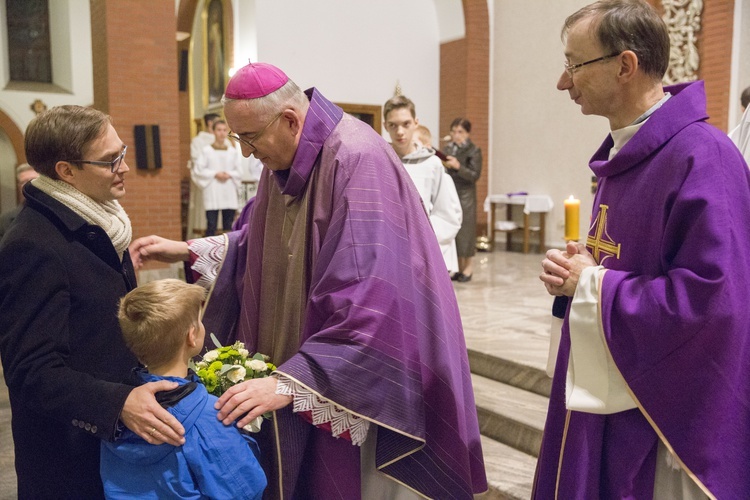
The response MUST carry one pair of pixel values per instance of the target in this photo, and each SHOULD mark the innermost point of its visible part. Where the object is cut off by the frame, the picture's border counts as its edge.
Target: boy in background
(423, 136)
(435, 187)
(161, 324)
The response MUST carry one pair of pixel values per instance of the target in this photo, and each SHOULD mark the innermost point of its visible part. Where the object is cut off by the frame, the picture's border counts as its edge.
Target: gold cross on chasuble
(601, 243)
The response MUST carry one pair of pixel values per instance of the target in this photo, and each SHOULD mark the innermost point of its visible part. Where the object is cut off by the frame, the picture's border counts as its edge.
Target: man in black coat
(64, 265)
(24, 174)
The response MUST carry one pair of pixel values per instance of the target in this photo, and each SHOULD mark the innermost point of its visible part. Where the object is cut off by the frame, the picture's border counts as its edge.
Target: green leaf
(215, 340)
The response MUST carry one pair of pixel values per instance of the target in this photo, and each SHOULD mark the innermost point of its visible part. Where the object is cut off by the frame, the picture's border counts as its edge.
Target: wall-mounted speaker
(147, 147)
(183, 70)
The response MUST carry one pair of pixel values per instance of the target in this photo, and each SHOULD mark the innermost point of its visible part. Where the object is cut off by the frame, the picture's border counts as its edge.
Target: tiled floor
(7, 472)
(505, 308)
(505, 311)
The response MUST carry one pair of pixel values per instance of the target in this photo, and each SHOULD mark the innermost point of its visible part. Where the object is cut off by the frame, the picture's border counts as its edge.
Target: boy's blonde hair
(424, 134)
(156, 317)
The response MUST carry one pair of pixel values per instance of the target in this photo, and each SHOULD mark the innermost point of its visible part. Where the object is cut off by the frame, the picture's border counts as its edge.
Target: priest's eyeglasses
(113, 165)
(251, 142)
(571, 68)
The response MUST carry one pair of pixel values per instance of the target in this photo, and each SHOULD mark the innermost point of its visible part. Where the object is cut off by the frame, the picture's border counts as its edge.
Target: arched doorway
(11, 155)
(192, 33)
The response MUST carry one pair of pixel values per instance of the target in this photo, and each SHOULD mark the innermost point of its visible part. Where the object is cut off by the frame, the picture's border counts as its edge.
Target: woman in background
(464, 165)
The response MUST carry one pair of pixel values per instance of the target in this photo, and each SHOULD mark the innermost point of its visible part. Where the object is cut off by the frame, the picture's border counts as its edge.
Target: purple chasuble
(381, 335)
(670, 225)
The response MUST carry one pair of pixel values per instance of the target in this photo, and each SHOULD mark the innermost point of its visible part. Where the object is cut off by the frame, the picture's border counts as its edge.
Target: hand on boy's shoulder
(143, 415)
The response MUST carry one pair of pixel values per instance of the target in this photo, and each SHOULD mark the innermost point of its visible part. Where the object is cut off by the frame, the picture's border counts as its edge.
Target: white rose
(211, 356)
(236, 374)
(243, 352)
(258, 365)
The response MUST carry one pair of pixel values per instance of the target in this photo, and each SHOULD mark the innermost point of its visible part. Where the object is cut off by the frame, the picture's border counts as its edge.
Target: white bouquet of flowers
(221, 368)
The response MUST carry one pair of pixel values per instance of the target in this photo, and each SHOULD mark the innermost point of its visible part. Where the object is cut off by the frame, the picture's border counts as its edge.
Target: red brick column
(715, 50)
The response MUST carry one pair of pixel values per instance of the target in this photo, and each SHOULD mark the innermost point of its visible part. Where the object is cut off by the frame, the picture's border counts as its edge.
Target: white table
(533, 205)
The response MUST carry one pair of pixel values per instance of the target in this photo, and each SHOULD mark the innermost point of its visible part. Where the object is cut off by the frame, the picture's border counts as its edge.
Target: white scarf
(109, 215)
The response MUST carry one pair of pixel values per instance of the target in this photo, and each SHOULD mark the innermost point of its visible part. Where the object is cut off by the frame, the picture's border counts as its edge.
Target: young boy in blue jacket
(161, 324)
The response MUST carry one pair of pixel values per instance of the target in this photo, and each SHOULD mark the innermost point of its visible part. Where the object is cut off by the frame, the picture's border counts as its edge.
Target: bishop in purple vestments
(336, 274)
(664, 277)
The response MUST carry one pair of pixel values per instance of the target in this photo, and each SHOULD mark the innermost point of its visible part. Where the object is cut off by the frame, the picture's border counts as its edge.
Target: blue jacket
(216, 461)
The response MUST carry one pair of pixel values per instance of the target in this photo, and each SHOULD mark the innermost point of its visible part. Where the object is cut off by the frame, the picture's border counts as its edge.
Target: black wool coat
(62, 351)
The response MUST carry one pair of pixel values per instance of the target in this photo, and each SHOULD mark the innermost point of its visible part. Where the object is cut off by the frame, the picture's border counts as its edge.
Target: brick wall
(452, 83)
(715, 51)
(464, 88)
(135, 75)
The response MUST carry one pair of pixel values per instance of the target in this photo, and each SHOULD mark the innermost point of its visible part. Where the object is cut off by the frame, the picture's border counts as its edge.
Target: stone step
(510, 372)
(510, 473)
(510, 415)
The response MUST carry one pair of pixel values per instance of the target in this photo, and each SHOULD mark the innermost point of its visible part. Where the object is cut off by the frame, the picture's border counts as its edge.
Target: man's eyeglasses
(113, 165)
(571, 68)
(257, 136)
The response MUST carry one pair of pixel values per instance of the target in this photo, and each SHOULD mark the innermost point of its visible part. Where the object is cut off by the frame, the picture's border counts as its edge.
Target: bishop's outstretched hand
(158, 249)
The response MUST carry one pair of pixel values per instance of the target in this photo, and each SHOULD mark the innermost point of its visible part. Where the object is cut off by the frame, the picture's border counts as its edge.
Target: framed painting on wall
(370, 114)
(215, 54)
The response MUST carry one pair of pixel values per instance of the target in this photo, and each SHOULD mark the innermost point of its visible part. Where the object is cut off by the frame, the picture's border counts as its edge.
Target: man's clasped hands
(562, 270)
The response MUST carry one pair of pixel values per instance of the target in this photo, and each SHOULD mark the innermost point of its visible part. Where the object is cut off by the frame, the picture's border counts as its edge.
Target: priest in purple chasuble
(335, 273)
(651, 388)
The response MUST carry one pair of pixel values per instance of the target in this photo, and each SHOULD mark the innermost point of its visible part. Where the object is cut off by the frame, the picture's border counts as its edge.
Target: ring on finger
(152, 431)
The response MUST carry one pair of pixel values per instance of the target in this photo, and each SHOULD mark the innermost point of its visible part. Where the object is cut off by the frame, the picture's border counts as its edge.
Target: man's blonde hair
(156, 317)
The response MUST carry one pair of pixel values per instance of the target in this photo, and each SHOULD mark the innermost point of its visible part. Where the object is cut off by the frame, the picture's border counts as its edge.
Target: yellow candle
(572, 212)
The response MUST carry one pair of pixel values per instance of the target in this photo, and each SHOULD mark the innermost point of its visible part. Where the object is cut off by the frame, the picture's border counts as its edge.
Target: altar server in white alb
(741, 135)
(435, 187)
(218, 174)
